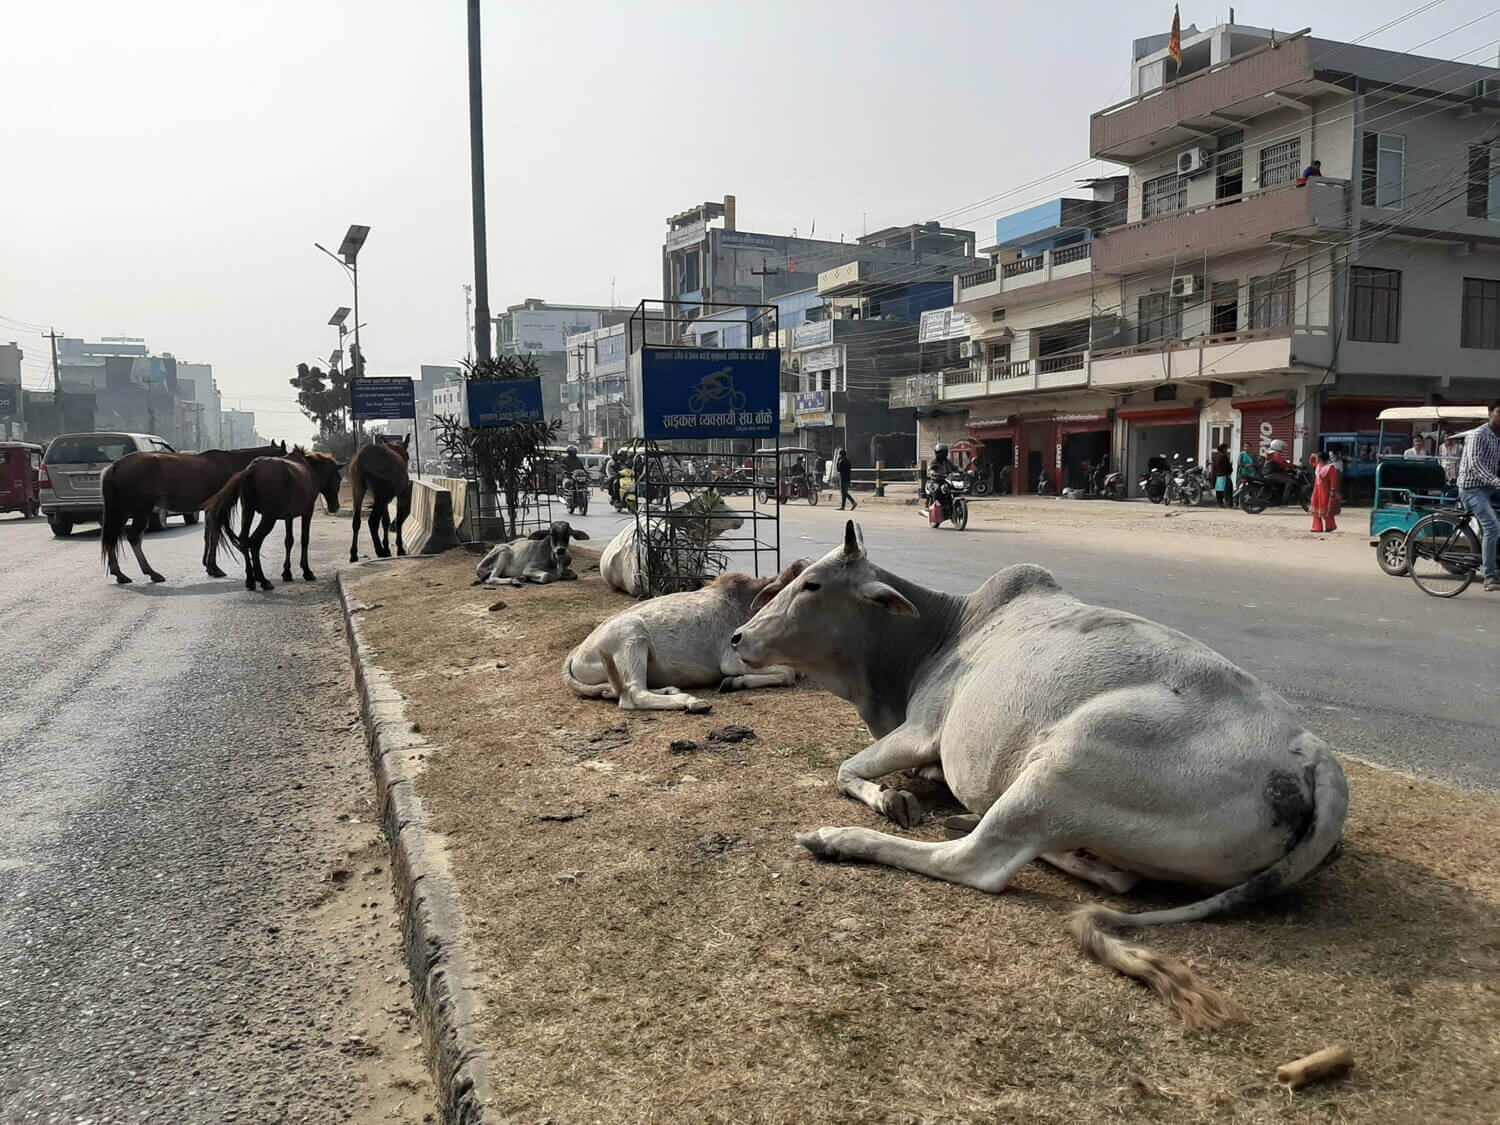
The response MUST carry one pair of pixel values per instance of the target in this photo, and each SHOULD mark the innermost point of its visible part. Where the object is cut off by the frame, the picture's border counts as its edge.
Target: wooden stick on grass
(1317, 1067)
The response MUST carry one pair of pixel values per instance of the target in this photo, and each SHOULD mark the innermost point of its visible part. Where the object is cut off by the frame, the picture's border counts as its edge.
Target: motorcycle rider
(571, 460)
(612, 480)
(938, 473)
(1278, 469)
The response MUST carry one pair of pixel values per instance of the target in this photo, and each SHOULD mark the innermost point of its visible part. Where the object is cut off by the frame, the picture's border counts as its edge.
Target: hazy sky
(165, 165)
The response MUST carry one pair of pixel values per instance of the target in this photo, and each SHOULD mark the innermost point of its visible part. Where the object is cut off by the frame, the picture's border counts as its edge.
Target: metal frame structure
(662, 526)
(488, 513)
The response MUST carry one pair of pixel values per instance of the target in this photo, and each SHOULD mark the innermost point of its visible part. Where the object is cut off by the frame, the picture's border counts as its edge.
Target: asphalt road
(195, 911)
(1378, 669)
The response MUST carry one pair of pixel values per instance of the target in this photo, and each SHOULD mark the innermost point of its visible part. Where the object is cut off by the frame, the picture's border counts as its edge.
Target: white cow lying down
(706, 517)
(644, 656)
(1111, 747)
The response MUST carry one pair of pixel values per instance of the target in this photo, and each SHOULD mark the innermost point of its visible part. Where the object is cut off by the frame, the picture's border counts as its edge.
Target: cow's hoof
(959, 826)
(699, 707)
(157, 577)
(123, 579)
(901, 806)
(818, 843)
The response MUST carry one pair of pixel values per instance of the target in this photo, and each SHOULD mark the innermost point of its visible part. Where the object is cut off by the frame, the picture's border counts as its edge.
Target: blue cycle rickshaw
(1407, 488)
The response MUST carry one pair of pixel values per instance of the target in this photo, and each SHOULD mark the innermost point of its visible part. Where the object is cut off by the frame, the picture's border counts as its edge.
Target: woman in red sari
(1326, 501)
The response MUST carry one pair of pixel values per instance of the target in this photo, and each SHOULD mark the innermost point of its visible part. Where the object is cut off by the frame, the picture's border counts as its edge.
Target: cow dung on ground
(682, 979)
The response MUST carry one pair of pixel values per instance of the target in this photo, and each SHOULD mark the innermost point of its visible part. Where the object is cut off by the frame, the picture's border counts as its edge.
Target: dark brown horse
(139, 483)
(278, 488)
(382, 470)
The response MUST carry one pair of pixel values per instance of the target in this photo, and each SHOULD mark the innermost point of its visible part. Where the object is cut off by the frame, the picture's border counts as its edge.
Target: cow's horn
(854, 540)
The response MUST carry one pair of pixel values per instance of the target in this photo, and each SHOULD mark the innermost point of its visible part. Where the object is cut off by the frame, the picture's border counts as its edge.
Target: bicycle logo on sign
(716, 388)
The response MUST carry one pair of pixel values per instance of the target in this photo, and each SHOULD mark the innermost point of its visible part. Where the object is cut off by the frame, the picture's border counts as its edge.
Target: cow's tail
(588, 691)
(1198, 1005)
(217, 510)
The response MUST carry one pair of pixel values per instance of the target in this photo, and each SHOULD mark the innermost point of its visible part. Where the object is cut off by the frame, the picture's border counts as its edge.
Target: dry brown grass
(671, 954)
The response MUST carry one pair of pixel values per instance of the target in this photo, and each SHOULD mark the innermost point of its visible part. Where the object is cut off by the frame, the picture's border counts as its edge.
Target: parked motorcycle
(1153, 482)
(944, 503)
(1112, 487)
(1255, 494)
(576, 492)
(978, 484)
(1186, 483)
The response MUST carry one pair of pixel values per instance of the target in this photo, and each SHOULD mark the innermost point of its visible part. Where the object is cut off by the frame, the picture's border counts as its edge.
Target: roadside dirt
(654, 946)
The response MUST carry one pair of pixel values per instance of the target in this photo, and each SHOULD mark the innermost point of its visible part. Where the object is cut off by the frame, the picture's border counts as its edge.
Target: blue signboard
(695, 393)
(390, 397)
(745, 241)
(497, 403)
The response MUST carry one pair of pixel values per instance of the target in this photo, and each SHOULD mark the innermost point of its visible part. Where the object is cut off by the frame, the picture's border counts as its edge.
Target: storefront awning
(939, 409)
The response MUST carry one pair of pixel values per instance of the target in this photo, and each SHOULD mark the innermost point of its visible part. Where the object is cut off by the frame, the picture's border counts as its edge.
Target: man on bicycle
(1479, 488)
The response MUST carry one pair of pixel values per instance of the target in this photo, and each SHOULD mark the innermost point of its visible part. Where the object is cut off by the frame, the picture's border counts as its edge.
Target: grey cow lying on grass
(541, 557)
(644, 656)
(1110, 746)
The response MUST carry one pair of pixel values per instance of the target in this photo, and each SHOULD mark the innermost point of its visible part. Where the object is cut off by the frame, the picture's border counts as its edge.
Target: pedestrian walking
(1326, 500)
(1222, 468)
(846, 471)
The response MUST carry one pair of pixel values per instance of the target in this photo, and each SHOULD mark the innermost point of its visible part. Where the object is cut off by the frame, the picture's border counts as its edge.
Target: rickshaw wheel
(812, 495)
(763, 495)
(1390, 553)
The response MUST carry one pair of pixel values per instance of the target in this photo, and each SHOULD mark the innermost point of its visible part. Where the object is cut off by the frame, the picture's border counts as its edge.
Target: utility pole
(56, 375)
(476, 172)
(469, 323)
(763, 273)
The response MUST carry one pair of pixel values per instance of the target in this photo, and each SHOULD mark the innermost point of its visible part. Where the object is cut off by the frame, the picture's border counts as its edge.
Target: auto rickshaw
(20, 476)
(1407, 488)
(797, 479)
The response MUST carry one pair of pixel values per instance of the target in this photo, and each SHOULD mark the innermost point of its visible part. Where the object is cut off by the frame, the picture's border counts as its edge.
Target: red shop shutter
(1263, 423)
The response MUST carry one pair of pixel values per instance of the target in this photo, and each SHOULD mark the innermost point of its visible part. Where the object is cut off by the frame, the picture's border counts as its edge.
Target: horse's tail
(216, 513)
(112, 524)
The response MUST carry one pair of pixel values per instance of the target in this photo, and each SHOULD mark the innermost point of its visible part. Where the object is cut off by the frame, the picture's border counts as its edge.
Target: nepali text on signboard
(687, 236)
(697, 393)
(915, 390)
(388, 397)
(811, 333)
(823, 359)
(497, 403)
(943, 324)
(810, 402)
(741, 240)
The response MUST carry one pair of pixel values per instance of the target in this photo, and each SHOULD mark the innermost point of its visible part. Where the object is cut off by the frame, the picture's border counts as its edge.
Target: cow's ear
(887, 598)
(541, 533)
(576, 534)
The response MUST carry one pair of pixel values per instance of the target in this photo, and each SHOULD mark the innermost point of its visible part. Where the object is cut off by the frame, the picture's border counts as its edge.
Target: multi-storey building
(1237, 300)
(597, 394)
(541, 330)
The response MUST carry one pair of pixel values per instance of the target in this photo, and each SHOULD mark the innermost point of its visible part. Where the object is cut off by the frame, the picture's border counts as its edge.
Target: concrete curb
(426, 893)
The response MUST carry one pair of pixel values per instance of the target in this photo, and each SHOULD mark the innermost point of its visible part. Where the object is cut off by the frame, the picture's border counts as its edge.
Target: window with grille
(1158, 317)
(1481, 323)
(1374, 305)
(1280, 163)
(1229, 160)
(1272, 298)
(1484, 182)
(1383, 170)
(1163, 195)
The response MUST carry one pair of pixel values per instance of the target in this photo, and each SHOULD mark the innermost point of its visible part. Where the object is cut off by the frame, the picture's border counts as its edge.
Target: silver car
(71, 468)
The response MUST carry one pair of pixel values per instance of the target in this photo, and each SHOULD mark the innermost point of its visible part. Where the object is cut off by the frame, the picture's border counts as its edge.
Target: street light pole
(348, 257)
(476, 170)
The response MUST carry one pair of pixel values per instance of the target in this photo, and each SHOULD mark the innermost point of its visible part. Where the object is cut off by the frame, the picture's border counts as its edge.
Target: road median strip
(426, 894)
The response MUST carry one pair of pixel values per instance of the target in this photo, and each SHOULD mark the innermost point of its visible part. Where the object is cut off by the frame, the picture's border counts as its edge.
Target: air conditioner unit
(1185, 285)
(965, 349)
(1191, 161)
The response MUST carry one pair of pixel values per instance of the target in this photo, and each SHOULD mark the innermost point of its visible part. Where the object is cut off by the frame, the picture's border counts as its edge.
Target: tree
(507, 461)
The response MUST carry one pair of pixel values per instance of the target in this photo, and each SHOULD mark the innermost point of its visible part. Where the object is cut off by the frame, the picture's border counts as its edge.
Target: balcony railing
(1069, 361)
(977, 277)
(958, 375)
(1253, 218)
(1023, 265)
(1075, 253)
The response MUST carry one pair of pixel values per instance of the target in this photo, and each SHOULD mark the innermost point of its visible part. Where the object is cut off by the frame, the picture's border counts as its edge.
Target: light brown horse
(279, 488)
(139, 483)
(382, 470)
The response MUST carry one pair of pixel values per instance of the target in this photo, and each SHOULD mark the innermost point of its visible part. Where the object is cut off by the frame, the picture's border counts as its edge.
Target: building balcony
(1223, 358)
(1044, 276)
(1181, 113)
(1021, 376)
(1241, 222)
